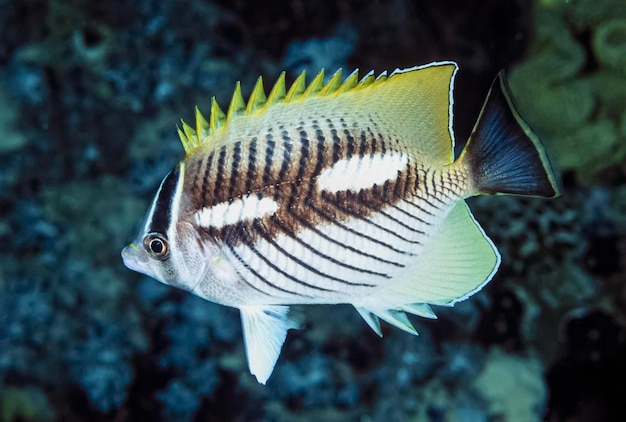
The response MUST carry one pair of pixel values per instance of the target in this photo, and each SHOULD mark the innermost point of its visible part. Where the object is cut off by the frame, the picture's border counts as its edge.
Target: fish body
(338, 192)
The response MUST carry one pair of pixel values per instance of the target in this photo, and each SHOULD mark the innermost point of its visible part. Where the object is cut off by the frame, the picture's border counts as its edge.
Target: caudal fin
(503, 154)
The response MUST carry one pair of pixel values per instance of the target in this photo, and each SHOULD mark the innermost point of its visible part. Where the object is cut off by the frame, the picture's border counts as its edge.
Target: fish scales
(287, 171)
(340, 192)
(303, 206)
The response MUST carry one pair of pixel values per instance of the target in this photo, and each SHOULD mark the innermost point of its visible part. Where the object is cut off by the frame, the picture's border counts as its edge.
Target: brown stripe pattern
(284, 164)
(317, 245)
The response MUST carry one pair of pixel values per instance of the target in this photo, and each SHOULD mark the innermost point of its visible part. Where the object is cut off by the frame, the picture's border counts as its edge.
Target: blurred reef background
(90, 94)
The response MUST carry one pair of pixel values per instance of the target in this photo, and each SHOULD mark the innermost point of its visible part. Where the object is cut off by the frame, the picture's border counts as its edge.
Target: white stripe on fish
(242, 209)
(356, 173)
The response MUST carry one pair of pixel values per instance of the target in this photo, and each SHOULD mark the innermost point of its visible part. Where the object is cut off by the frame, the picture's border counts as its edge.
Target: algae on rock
(573, 92)
(513, 386)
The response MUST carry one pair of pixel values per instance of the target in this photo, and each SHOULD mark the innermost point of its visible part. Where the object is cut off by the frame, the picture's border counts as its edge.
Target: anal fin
(395, 317)
(371, 319)
(264, 332)
(420, 309)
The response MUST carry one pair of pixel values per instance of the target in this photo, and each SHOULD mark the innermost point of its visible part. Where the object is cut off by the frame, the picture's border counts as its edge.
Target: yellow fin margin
(258, 101)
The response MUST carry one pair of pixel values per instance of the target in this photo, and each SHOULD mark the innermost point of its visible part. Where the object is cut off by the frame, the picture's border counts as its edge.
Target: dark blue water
(90, 94)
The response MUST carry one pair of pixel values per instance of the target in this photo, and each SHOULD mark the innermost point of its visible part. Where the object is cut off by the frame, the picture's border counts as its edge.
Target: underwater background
(90, 95)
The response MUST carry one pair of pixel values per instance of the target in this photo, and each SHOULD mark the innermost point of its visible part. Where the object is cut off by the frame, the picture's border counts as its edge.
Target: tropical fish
(345, 191)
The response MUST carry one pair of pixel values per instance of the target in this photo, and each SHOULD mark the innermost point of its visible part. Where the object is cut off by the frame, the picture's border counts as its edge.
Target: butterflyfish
(339, 191)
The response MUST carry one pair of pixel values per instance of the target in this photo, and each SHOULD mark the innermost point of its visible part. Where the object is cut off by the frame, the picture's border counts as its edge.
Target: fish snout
(132, 257)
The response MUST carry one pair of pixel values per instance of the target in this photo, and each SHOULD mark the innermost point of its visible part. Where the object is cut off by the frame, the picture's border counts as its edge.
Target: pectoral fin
(264, 332)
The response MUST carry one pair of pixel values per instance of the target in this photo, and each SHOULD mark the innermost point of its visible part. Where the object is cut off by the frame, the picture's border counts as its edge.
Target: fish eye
(156, 246)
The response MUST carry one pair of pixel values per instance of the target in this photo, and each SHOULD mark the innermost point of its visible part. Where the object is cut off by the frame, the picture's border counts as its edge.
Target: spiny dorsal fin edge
(258, 101)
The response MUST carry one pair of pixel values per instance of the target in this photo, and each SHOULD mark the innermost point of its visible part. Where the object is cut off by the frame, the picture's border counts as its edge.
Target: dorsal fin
(297, 88)
(258, 101)
(257, 98)
(278, 91)
(237, 104)
(187, 136)
(316, 84)
(333, 83)
(418, 99)
(217, 116)
(349, 83)
(367, 80)
(202, 126)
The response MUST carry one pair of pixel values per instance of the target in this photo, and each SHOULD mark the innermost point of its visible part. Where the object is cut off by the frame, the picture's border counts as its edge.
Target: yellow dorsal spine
(257, 98)
(190, 135)
(367, 80)
(278, 91)
(350, 82)
(258, 101)
(237, 104)
(316, 84)
(217, 116)
(202, 126)
(183, 140)
(297, 88)
(333, 83)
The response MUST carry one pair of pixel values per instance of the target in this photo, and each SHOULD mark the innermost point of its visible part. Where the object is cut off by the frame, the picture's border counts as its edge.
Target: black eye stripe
(162, 215)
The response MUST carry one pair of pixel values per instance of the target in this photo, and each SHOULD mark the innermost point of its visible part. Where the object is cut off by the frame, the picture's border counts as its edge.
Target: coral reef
(26, 404)
(89, 97)
(513, 386)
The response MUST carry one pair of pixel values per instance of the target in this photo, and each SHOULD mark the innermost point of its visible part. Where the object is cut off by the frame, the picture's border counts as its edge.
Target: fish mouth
(131, 257)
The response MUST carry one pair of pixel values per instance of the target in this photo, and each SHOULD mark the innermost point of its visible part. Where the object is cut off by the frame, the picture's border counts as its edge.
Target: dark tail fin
(503, 154)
